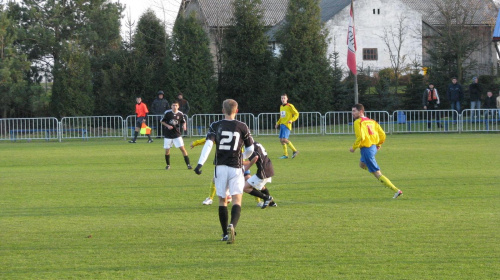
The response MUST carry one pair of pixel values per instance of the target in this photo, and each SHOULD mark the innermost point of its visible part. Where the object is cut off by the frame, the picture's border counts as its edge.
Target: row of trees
(75, 47)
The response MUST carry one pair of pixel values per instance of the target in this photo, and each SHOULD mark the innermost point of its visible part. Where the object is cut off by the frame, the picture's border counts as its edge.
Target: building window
(373, 11)
(370, 54)
(378, 11)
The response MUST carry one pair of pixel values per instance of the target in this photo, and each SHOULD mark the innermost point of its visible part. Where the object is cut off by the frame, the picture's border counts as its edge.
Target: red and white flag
(351, 44)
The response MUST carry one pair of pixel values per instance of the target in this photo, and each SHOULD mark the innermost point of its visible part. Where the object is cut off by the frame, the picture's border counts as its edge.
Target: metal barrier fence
(29, 129)
(152, 121)
(200, 123)
(266, 123)
(91, 127)
(480, 120)
(341, 122)
(338, 123)
(418, 121)
(308, 123)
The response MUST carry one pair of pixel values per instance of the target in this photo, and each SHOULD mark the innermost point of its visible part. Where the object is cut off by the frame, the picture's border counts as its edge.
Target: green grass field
(333, 220)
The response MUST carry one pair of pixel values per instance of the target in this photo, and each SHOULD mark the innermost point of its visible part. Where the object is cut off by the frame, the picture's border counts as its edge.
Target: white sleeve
(206, 151)
(248, 151)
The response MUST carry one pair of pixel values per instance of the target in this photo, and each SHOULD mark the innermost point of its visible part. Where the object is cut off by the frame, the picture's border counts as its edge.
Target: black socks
(223, 218)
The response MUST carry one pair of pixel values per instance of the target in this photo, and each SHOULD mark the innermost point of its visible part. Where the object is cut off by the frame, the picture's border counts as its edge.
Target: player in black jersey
(229, 135)
(256, 185)
(171, 122)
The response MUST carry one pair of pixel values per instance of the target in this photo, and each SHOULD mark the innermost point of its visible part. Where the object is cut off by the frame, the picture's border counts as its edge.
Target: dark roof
(220, 12)
(485, 10)
(329, 8)
(496, 32)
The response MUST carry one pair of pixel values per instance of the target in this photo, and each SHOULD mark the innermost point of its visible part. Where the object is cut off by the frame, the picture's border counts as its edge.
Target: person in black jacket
(489, 103)
(183, 107)
(475, 96)
(159, 107)
(455, 95)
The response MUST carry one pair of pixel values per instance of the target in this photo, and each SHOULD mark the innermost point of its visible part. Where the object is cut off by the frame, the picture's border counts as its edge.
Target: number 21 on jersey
(227, 139)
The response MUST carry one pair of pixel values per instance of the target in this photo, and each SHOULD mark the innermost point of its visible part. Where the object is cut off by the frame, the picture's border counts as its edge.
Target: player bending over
(256, 184)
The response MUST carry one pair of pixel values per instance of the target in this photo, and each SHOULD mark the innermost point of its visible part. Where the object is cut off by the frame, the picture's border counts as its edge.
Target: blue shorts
(368, 158)
(284, 131)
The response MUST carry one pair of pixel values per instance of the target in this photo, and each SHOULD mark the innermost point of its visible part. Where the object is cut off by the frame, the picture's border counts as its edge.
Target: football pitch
(107, 209)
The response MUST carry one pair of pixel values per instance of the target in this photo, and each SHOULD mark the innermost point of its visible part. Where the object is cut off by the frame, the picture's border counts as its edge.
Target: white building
(373, 20)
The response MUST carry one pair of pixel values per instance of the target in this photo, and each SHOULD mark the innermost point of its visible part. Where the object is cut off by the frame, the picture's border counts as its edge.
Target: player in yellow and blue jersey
(369, 138)
(288, 114)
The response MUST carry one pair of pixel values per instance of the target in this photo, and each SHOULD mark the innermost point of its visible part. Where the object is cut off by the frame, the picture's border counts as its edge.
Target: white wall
(369, 27)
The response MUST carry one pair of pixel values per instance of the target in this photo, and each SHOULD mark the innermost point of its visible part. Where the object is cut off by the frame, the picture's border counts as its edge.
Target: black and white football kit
(174, 119)
(264, 165)
(265, 168)
(229, 136)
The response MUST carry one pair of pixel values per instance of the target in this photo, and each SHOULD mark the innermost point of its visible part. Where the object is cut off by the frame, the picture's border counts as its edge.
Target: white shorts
(177, 142)
(257, 182)
(228, 178)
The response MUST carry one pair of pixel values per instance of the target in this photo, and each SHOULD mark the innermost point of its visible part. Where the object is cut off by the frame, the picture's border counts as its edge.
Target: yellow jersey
(368, 132)
(288, 113)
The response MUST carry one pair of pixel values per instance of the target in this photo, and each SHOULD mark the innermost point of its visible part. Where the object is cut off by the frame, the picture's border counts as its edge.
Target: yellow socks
(291, 146)
(384, 180)
(285, 151)
(212, 190)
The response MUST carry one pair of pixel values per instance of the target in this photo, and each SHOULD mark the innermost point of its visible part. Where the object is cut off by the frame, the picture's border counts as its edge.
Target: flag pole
(356, 100)
(351, 50)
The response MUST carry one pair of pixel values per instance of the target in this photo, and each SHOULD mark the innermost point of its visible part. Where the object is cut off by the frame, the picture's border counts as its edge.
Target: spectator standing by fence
(498, 103)
(430, 100)
(159, 107)
(475, 96)
(455, 94)
(183, 107)
(489, 103)
(141, 112)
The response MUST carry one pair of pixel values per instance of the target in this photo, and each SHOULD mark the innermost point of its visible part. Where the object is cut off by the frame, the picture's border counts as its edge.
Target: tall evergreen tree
(342, 99)
(103, 41)
(304, 67)
(50, 27)
(150, 53)
(193, 67)
(13, 65)
(247, 71)
(72, 90)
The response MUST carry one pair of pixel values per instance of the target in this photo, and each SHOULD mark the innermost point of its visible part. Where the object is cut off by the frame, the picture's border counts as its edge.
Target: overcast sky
(164, 9)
